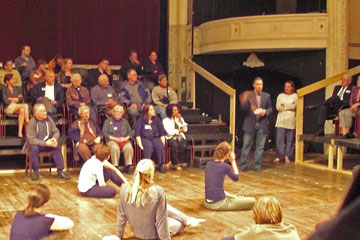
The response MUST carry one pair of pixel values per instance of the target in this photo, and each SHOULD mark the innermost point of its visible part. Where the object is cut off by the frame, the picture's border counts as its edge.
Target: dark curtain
(84, 30)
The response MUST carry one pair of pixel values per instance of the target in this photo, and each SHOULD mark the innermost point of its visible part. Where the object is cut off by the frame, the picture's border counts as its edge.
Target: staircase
(203, 134)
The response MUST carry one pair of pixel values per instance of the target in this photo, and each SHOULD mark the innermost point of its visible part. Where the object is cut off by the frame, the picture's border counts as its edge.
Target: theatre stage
(307, 196)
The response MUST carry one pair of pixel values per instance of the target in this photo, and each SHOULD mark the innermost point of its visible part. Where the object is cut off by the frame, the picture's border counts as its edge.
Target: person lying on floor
(95, 174)
(267, 216)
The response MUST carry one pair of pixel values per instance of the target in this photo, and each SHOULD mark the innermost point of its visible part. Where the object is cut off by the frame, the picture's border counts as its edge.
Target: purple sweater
(214, 180)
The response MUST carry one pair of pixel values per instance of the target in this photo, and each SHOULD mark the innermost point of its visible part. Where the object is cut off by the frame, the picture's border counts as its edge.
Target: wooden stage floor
(307, 196)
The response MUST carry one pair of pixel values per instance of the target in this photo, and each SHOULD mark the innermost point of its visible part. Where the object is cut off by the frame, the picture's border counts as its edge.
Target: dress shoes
(128, 169)
(35, 176)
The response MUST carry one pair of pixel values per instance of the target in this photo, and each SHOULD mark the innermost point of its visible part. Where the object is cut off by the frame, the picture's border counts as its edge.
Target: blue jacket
(143, 92)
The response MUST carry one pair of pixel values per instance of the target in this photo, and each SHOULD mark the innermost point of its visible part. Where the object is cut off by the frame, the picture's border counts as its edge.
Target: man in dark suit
(49, 93)
(338, 101)
(256, 106)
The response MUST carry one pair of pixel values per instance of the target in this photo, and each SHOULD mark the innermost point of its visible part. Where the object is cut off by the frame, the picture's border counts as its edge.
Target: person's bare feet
(276, 160)
(287, 160)
(20, 135)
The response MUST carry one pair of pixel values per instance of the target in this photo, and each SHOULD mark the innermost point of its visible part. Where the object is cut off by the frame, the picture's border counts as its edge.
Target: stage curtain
(84, 30)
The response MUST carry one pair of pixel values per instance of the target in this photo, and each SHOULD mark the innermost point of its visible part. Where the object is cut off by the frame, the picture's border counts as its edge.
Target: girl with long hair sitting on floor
(31, 223)
(267, 216)
(143, 204)
(215, 196)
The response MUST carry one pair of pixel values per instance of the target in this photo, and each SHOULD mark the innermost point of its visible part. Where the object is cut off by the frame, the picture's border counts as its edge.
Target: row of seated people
(101, 98)
(150, 134)
(28, 74)
(344, 102)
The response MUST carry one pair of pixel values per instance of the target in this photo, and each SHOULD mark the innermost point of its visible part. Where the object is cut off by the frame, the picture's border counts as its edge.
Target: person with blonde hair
(267, 216)
(31, 223)
(215, 196)
(143, 204)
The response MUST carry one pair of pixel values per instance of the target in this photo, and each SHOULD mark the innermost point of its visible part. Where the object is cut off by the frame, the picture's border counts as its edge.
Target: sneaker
(128, 169)
(194, 222)
(35, 176)
(63, 175)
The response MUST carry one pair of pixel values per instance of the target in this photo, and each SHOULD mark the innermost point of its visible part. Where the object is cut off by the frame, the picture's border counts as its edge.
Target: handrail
(325, 82)
(302, 92)
(218, 83)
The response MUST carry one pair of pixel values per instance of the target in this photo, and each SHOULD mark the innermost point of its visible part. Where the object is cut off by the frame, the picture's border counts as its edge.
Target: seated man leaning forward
(162, 96)
(96, 172)
(85, 133)
(42, 136)
(134, 94)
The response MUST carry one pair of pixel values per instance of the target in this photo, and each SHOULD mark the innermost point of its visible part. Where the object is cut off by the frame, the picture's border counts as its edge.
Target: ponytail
(38, 196)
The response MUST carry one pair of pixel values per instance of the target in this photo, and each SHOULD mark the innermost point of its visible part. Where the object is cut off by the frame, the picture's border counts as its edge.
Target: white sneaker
(194, 222)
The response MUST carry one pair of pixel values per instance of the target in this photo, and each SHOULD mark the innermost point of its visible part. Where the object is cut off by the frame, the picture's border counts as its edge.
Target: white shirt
(286, 115)
(92, 170)
(169, 126)
(50, 91)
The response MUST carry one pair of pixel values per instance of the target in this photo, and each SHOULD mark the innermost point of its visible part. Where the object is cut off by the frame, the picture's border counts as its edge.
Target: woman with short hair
(31, 223)
(13, 99)
(215, 196)
(143, 205)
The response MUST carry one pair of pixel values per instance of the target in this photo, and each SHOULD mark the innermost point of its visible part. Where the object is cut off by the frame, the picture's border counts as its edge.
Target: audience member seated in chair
(118, 133)
(339, 100)
(77, 96)
(13, 98)
(163, 95)
(42, 135)
(150, 135)
(215, 196)
(65, 74)
(133, 63)
(345, 224)
(56, 64)
(346, 115)
(93, 74)
(48, 93)
(8, 69)
(25, 63)
(267, 215)
(175, 127)
(32, 223)
(96, 172)
(134, 94)
(143, 204)
(103, 95)
(152, 70)
(85, 133)
(37, 75)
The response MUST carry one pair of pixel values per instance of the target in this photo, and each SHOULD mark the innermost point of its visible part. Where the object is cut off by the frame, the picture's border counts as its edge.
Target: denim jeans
(248, 138)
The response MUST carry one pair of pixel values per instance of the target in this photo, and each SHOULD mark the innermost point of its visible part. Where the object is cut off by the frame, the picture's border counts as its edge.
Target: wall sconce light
(253, 61)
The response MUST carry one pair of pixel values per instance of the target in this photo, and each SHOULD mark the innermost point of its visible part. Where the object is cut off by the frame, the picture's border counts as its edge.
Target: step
(207, 128)
(190, 112)
(11, 141)
(197, 119)
(184, 105)
(207, 147)
(200, 162)
(208, 136)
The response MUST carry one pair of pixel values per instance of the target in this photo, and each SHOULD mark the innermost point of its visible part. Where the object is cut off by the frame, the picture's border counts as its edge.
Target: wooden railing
(193, 67)
(302, 92)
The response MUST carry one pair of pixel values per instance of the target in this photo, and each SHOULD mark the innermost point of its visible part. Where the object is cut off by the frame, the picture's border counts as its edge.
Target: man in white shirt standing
(339, 100)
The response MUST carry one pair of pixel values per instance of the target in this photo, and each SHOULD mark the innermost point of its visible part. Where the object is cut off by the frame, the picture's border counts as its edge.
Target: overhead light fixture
(253, 61)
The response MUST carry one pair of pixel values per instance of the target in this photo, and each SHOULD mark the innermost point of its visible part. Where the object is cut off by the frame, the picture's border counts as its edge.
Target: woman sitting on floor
(13, 98)
(150, 135)
(31, 223)
(143, 204)
(215, 196)
(96, 172)
(175, 127)
(267, 216)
